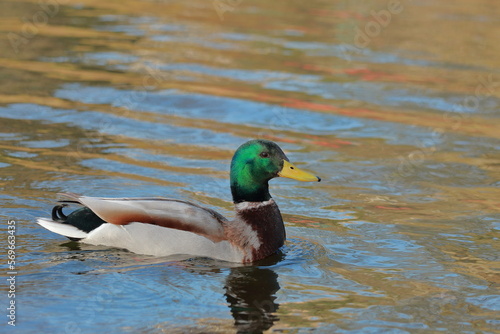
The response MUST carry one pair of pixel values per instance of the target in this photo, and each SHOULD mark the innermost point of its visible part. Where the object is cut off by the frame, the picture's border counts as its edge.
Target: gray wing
(160, 211)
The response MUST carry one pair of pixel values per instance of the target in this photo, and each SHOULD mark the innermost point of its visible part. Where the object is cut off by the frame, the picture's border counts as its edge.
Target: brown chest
(258, 229)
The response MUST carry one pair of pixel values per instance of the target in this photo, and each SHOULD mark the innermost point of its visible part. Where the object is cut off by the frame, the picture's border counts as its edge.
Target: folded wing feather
(160, 211)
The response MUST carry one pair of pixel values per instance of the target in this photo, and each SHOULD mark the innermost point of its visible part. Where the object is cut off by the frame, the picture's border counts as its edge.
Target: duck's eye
(264, 155)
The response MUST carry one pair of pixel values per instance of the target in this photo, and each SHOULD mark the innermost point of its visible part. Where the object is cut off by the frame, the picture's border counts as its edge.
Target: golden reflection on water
(439, 49)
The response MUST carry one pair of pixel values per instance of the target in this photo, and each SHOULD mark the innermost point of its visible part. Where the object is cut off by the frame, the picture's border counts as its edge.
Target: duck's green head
(254, 164)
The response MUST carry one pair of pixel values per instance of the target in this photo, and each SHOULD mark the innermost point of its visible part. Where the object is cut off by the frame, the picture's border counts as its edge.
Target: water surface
(398, 113)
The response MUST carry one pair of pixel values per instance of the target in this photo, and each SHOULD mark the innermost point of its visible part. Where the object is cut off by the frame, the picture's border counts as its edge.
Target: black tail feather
(83, 218)
(57, 213)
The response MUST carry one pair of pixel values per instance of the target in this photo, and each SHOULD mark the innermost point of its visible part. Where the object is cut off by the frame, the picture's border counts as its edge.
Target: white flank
(248, 234)
(155, 240)
(63, 229)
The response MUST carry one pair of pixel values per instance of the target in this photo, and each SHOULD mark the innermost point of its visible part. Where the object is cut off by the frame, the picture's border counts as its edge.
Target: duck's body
(162, 226)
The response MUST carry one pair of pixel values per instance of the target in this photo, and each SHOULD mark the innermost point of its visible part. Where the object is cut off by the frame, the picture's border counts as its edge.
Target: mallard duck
(163, 226)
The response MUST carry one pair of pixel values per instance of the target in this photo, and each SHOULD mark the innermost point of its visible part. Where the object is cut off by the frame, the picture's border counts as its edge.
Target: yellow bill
(292, 172)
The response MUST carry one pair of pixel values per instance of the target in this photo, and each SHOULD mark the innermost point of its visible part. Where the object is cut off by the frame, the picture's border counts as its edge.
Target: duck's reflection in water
(251, 294)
